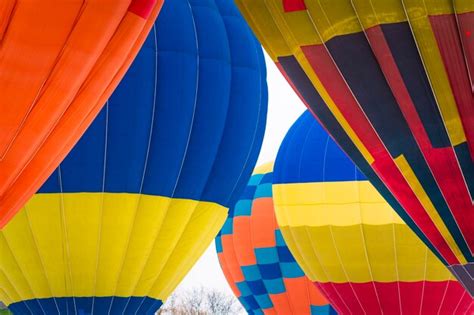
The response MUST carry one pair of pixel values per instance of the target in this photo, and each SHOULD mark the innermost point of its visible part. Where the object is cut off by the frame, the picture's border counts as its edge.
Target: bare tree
(220, 303)
(193, 301)
(201, 301)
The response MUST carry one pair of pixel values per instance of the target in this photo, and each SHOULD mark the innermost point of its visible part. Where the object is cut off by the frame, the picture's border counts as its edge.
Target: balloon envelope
(347, 238)
(60, 62)
(392, 82)
(143, 193)
(256, 261)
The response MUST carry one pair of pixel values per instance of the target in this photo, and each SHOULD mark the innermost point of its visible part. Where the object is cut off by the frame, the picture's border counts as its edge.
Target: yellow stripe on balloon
(9, 291)
(420, 8)
(303, 248)
(201, 244)
(333, 18)
(190, 243)
(430, 209)
(376, 12)
(326, 18)
(332, 227)
(463, 6)
(4, 297)
(98, 244)
(395, 254)
(268, 33)
(331, 203)
(418, 15)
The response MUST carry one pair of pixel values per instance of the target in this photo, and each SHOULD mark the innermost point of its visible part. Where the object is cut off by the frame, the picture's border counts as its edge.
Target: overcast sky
(283, 109)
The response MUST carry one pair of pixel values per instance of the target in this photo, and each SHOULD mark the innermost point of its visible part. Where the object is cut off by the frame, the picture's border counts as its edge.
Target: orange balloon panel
(60, 62)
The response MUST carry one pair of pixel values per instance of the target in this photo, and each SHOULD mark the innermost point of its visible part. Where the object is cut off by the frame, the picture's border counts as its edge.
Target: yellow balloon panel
(103, 244)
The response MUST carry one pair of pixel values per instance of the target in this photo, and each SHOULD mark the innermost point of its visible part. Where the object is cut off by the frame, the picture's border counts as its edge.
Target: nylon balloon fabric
(144, 192)
(392, 82)
(256, 261)
(59, 61)
(348, 239)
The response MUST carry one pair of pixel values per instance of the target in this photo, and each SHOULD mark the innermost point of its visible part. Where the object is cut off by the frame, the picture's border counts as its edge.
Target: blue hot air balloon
(132, 207)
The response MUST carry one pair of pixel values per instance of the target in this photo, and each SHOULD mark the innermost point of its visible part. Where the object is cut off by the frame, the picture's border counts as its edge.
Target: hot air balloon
(392, 82)
(348, 239)
(59, 61)
(147, 188)
(256, 261)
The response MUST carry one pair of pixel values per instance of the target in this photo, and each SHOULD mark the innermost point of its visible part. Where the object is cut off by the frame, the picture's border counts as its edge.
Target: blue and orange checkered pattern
(256, 261)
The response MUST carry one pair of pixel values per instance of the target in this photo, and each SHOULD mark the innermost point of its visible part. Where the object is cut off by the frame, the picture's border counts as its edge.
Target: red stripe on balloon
(442, 161)
(293, 5)
(449, 43)
(418, 297)
(142, 8)
(466, 28)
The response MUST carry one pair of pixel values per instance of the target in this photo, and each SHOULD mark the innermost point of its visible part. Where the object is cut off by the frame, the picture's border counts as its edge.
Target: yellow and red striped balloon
(347, 238)
(392, 82)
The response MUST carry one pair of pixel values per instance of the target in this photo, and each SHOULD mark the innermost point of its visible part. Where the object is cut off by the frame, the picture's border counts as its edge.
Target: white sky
(284, 108)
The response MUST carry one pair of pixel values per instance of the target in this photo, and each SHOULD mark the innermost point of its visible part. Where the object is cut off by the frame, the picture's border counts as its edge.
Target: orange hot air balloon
(59, 61)
(392, 81)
